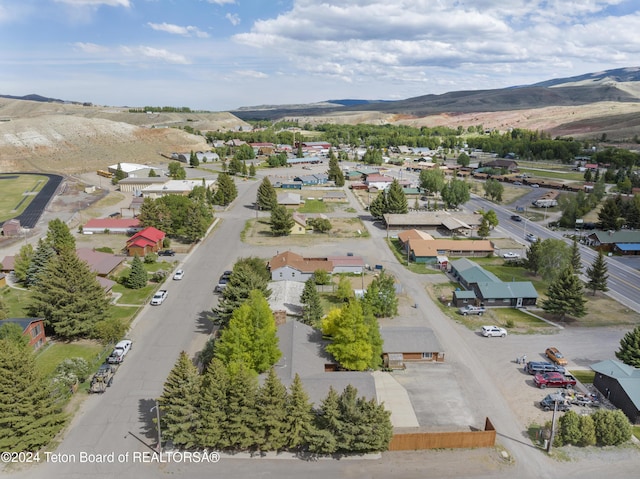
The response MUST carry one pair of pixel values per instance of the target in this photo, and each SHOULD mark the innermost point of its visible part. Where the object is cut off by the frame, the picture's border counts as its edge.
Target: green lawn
(315, 206)
(134, 296)
(18, 192)
(124, 313)
(585, 377)
(16, 301)
(92, 352)
(556, 175)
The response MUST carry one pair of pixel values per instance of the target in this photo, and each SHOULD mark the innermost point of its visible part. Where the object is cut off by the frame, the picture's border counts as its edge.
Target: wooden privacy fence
(444, 440)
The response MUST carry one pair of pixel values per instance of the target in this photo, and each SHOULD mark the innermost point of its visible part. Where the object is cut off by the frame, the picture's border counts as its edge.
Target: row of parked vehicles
(103, 378)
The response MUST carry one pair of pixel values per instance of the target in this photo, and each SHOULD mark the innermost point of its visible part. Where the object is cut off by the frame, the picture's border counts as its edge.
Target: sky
(220, 55)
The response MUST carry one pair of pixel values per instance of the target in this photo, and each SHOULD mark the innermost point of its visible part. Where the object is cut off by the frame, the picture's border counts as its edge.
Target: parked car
(517, 183)
(469, 309)
(510, 255)
(535, 185)
(178, 275)
(531, 237)
(535, 367)
(166, 252)
(159, 297)
(554, 380)
(493, 331)
(555, 400)
(226, 274)
(516, 217)
(222, 283)
(120, 351)
(556, 356)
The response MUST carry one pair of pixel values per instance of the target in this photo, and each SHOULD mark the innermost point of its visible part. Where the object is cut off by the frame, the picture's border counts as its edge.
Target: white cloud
(234, 18)
(97, 3)
(187, 31)
(155, 54)
(91, 48)
(250, 73)
(222, 2)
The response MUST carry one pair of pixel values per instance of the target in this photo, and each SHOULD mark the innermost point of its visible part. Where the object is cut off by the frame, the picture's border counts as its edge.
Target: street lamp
(158, 424)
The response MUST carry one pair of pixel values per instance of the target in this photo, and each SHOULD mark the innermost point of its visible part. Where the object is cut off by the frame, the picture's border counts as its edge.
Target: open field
(53, 354)
(17, 193)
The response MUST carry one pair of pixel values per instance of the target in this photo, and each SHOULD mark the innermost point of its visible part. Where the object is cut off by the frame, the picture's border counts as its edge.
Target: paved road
(624, 280)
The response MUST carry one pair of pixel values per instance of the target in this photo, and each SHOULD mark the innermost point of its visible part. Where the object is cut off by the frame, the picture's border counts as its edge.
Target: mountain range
(48, 134)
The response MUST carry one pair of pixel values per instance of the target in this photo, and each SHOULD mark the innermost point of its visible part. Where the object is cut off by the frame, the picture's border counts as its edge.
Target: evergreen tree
(4, 309)
(152, 173)
(575, 260)
(30, 414)
(271, 414)
(252, 170)
(532, 263)
(226, 191)
(22, 261)
(609, 214)
(13, 332)
(267, 197)
(378, 206)
(244, 170)
(137, 274)
(396, 200)
(68, 297)
(299, 414)
(250, 337)
(629, 352)
(323, 439)
(565, 295)
(335, 173)
(281, 221)
(248, 274)
(213, 406)
(42, 256)
(597, 274)
(235, 166)
(59, 236)
(118, 175)
(194, 162)
(312, 307)
(197, 222)
(240, 427)
(350, 339)
(179, 403)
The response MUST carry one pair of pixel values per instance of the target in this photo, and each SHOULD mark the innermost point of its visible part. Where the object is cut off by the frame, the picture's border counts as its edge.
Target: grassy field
(54, 354)
(258, 232)
(315, 206)
(17, 193)
(556, 175)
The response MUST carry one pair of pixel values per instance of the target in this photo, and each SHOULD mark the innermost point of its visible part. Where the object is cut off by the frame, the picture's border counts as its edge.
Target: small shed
(11, 228)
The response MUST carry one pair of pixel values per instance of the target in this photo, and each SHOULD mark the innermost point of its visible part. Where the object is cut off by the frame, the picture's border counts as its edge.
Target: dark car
(516, 217)
(555, 400)
(553, 380)
(166, 252)
(535, 367)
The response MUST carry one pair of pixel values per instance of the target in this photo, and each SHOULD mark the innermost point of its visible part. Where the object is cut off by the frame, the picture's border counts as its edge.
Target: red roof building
(149, 240)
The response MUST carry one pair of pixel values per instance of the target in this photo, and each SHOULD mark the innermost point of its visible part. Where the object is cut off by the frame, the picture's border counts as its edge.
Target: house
(112, 225)
(299, 224)
(624, 242)
(288, 185)
(8, 264)
(33, 328)
(443, 221)
(315, 179)
(293, 267)
(620, 384)
(103, 264)
(406, 235)
(289, 199)
(11, 228)
(409, 344)
(428, 250)
(502, 163)
(303, 353)
(149, 240)
(377, 181)
(483, 287)
(338, 196)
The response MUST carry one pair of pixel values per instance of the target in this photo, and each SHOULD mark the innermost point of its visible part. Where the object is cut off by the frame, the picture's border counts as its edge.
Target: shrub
(612, 427)
(71, 371)
(104, 249)
(150, 258)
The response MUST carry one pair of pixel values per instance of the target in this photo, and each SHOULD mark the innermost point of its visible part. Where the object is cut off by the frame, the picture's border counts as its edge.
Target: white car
(493, 331)
(120, 351)
(510, 254)
(531, 237)
(178, 274)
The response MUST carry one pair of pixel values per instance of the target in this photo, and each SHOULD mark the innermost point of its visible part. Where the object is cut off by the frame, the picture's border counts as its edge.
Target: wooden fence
(444, 440)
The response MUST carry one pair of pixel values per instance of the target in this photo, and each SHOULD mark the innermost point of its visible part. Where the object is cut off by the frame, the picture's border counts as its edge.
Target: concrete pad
(396, 399)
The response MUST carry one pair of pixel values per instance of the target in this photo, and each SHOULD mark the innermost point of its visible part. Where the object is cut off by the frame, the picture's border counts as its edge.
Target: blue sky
(223, 54)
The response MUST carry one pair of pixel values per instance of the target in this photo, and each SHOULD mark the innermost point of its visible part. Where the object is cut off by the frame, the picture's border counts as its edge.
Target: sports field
(17, 191)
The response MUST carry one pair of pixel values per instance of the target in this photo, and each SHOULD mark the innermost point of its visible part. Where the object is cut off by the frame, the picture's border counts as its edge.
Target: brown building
(33, 328)
(409, 344)
(11, 228)
(149, 240)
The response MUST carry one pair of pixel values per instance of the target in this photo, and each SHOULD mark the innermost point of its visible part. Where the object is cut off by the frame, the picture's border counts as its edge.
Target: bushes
(603, 427)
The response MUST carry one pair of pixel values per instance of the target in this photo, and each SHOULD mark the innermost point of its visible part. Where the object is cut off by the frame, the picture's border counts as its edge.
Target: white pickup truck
(159, 297)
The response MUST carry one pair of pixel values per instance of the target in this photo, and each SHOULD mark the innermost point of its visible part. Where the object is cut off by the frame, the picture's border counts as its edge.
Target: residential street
(120, 421)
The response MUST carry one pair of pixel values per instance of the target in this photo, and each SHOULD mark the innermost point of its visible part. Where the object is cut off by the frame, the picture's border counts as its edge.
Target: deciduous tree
(22, 261)
(381, 296)
(432, 180)
(455, 193)
(350, 340)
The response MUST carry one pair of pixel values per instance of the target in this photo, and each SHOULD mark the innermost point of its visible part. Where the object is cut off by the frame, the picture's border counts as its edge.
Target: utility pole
(553, 425)
(158, 426)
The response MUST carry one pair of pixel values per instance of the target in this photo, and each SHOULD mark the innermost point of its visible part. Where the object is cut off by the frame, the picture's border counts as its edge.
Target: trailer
(103, 378)
(545, 203)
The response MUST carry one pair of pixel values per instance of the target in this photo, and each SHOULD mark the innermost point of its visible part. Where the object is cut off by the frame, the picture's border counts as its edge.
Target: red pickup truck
(554, 380)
